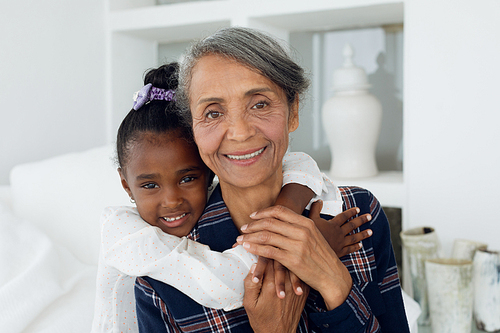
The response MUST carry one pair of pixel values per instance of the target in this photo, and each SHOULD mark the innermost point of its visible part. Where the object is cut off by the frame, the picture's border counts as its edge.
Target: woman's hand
(266, 311)
(293, 240)
(280, 274)
(337, 231)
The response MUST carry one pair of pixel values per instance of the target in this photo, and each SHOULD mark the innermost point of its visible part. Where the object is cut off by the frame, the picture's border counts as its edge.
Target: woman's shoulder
(355, 196)
(350, 193)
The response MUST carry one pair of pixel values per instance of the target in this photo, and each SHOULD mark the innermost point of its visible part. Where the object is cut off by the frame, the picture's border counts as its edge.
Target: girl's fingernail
(369, 217)
(253, 214)
(244, 227)
(252, 268)
(246, 245)
(357, 210)
(282, 294)
(299, 290)
(370, 232)
(255, 279)
(239, 239)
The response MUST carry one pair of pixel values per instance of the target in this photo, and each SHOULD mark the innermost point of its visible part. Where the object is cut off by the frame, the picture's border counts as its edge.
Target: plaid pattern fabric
(372, 304)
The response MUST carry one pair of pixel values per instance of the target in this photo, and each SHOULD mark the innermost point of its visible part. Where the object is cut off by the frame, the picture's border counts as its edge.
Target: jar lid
(349, 76)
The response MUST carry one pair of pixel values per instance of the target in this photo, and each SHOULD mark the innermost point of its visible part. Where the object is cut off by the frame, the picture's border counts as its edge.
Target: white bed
(49, 241)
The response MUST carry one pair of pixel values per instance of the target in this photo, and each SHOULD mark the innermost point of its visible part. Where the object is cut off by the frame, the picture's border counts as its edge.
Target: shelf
(387, 186)
(330, 15)
(171, 23)
(188, 20)
(428, 329)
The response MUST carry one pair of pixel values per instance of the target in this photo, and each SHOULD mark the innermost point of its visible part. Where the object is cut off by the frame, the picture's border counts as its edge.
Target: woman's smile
(240, 156)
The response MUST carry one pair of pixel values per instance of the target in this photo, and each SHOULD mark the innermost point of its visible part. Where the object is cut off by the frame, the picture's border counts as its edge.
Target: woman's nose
(240, 129)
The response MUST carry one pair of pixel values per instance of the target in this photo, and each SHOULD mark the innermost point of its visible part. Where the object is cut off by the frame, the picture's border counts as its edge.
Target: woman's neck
(241, 202)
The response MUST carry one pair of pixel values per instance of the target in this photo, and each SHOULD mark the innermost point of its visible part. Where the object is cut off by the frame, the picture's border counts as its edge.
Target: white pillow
(65, 195)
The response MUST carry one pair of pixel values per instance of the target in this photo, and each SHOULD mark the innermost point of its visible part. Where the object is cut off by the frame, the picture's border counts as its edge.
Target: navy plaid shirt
(374, 305)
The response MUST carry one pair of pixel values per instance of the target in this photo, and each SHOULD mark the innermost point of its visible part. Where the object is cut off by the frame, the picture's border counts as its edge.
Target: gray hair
(250, 48)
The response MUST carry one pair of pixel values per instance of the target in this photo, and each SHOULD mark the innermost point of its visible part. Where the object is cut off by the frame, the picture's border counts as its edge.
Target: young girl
(161, 170)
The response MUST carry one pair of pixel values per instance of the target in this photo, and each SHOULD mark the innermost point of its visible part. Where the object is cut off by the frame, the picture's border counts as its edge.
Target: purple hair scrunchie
(149, 93)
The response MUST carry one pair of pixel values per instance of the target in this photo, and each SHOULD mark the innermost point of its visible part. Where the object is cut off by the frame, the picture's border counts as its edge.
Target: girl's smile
(168, 181)
(173, 222)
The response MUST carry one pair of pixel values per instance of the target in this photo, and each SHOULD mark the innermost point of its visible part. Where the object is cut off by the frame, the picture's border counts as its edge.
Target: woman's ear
(124, 182)
(293, 119)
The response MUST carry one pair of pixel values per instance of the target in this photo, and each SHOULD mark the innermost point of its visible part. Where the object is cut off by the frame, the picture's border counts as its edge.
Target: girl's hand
(266, 311)
(337, 231)
(293, 240)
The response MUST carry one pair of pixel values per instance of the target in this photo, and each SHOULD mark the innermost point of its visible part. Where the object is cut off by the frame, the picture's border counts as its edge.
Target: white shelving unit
(387, 186)
(134, 35)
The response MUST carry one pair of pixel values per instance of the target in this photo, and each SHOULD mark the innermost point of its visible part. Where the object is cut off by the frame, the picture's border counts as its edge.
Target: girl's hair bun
(165, 77)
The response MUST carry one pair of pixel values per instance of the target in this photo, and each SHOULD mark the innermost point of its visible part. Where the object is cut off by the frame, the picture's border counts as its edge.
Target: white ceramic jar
(352, 119)
(420, 244)
(449, 288)
(486, 270)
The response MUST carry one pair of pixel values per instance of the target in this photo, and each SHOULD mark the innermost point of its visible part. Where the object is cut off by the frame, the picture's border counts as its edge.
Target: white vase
(449, 286)
(465, 249)
(352, 119)
(486, 270)
(420, 244)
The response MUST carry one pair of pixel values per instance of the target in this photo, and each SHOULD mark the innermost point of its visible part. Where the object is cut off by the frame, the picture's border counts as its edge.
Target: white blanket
(43, 287)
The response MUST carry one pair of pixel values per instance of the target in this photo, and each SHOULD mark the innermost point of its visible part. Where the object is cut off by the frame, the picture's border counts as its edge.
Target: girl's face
(241, 121)
(168, 181)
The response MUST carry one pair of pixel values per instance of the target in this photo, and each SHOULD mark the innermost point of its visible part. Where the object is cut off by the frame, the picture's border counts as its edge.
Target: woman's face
(241, 121)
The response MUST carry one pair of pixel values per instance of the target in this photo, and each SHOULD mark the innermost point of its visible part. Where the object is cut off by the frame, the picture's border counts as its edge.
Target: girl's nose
(171, 198)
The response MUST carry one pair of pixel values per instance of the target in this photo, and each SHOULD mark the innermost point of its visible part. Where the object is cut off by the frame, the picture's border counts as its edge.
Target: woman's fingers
(280, 274)
(297, 284)
(280, 213)
(279, 278)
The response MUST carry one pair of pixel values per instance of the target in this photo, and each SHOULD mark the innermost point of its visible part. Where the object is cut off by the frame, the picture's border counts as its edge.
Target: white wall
(452, 115)
(52, 79)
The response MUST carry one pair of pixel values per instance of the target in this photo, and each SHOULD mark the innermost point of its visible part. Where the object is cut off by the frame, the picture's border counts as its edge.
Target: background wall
(452, 114)
(54, 66)
(52, 79)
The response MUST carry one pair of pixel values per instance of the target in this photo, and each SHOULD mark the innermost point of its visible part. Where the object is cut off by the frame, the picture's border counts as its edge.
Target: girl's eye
(260, 105)
(187, 179)
(213, 114)
(149, 186)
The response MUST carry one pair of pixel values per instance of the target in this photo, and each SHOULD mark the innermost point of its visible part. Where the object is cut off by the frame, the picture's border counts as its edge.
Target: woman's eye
(149, 186)
(260, 105)
(187, 179)
(213, 114)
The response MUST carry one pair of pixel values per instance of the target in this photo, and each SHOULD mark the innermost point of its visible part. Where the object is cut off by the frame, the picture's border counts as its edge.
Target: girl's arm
(135, 248)
(304, 183)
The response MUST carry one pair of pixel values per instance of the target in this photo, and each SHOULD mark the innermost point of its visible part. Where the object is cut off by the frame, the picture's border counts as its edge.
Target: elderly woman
(241, 92)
